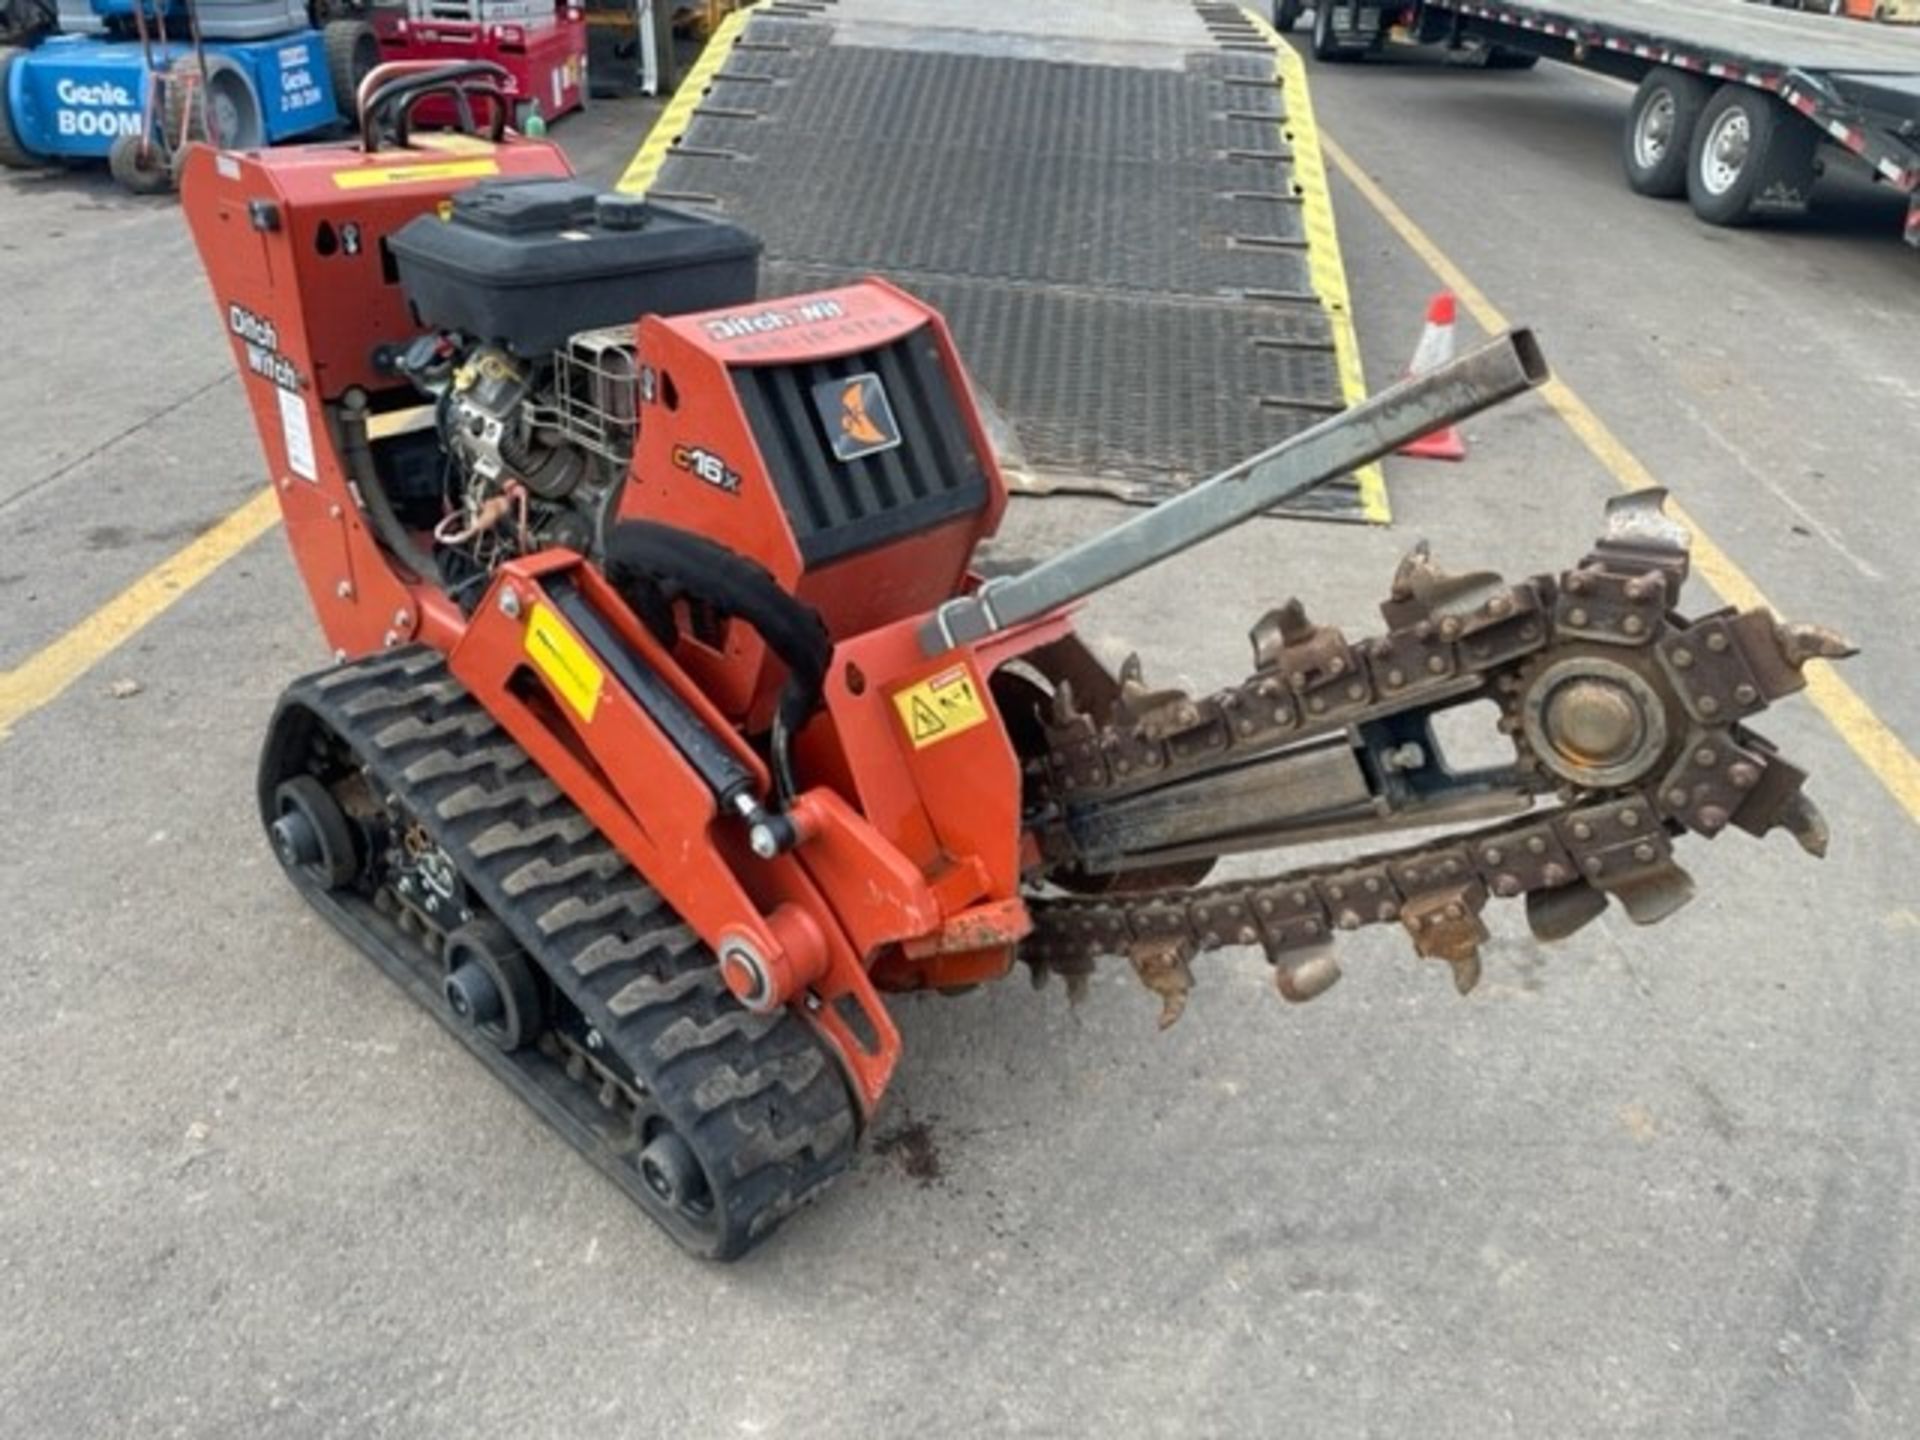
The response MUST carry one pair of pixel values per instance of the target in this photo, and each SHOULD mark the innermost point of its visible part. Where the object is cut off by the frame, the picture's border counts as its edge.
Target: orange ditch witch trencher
(670, 727)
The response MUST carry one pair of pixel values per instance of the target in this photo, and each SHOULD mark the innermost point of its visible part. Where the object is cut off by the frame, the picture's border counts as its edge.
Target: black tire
(24, 21)
(235, 123)
(1286, 14)
(13, 154)
(1500, 57)
(1751, 156)
(1328, 45)
(140, 166)
(352, 51)
(1657, 141)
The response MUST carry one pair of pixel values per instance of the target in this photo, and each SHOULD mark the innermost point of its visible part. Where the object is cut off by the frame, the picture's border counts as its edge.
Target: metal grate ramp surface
(1122, 249)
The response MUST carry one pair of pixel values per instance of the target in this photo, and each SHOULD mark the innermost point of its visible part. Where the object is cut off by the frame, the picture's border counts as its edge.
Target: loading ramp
(1120, 208)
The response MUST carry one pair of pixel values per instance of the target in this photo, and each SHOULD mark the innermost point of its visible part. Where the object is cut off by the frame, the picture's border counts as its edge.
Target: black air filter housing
(527, 263)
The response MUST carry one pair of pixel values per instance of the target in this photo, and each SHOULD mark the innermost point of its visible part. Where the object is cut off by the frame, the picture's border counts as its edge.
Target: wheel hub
(1655, 132)
(671, 1172)
(1593, 722)
(1725, 154)
(472, 995)
(295, 839)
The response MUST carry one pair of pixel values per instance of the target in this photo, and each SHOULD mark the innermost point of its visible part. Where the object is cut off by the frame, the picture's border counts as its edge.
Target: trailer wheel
(1328, 43)
(1751, 155)
(353, 49)
(140, 168)
(1286, 14)
(13, 154)
(1658, 139)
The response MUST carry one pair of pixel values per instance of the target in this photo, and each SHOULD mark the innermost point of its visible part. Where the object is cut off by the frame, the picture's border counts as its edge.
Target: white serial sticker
(297, 431)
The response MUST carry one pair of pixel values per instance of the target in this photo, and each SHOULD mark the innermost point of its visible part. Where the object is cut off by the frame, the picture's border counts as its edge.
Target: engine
(532, 290)
(536, 449)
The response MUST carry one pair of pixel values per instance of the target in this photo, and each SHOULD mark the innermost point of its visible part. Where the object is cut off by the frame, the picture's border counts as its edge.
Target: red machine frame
(545, 59)
(907, 869)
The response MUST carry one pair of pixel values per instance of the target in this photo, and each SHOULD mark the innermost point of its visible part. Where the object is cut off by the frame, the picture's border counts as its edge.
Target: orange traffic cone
(1436, 348)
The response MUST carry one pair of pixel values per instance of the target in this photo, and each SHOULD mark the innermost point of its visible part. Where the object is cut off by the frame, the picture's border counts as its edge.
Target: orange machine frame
(907, 867)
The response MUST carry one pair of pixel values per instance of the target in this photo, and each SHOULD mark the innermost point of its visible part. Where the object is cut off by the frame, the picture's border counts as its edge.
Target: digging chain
(1631, 712)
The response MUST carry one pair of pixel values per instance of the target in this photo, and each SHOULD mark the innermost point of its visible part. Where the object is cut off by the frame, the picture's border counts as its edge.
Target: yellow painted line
(43, 676)
(1867, 735)
(644, 168)
(1325, 269)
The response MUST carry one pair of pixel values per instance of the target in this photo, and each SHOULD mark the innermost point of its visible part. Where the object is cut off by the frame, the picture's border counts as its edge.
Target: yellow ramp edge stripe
(43, 676)
(644, 168)
(1870, 738)
(1325, 268)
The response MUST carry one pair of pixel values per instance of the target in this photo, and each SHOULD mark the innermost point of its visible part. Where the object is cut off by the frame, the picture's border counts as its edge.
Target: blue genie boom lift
(129, 81)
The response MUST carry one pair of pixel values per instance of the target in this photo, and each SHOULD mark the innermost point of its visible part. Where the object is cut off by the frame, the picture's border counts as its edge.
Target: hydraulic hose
(349, 423)
(645, 561)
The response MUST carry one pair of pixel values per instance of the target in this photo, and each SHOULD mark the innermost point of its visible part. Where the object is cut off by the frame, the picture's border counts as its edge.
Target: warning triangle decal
(926, 721)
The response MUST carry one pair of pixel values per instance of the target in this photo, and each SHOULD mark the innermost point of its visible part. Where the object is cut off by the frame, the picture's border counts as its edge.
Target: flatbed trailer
(1734, 100)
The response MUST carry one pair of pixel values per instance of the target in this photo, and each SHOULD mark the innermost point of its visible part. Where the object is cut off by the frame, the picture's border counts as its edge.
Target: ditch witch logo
(857, 415)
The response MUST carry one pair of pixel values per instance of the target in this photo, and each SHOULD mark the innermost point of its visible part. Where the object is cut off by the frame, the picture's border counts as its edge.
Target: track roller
(311, 834)
(490, 983)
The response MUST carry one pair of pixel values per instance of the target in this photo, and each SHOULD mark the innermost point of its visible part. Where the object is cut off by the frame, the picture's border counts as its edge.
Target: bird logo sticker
(857, 414)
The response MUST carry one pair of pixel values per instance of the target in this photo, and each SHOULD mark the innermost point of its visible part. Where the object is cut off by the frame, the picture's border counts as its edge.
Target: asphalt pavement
(1647, 1183)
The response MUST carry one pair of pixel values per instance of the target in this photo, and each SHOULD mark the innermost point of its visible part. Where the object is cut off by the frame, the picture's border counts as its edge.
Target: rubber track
(758, 1095)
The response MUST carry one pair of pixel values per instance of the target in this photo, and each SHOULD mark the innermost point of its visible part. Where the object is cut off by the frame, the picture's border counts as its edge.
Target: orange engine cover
(831, 437)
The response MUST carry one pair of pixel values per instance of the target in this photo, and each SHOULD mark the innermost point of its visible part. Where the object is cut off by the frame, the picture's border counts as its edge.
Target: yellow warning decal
(568, 665)
(374, 176)
(940, 707)
(452, 142)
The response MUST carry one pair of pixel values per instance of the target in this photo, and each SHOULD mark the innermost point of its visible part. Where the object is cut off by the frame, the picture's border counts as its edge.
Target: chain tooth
(1162, 967)
(1422, 590)
(1309, 977)
(1065, 708)
(1651, 897)
(1801, 818)
(1466, 970)
(1445, 925)
(1556, 914)
(1638, 520)
(1800, 643)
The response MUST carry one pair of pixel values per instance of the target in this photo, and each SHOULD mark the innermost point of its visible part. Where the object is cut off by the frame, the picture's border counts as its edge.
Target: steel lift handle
(1498, 370)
